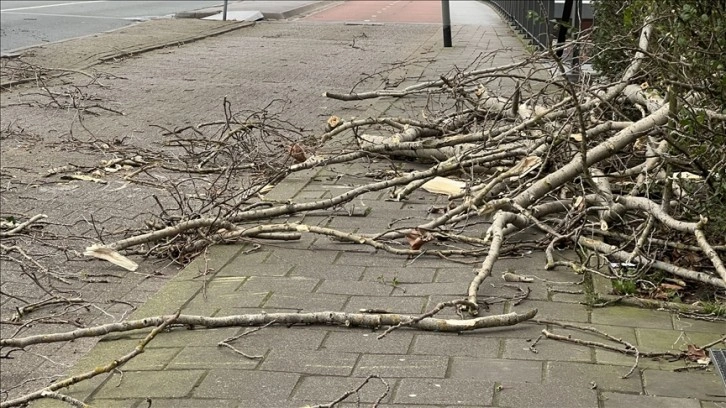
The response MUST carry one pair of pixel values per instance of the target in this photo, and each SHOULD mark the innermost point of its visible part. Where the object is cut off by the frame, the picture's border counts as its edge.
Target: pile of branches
(589, 165)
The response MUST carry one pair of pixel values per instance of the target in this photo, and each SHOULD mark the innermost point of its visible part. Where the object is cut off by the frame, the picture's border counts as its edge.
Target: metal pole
(446, 17)
(224, 11)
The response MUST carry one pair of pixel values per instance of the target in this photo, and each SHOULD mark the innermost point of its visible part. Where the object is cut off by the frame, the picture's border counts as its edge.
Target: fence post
(224, 11)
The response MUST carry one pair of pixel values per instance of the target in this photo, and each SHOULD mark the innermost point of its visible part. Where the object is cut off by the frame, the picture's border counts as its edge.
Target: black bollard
(446, 17)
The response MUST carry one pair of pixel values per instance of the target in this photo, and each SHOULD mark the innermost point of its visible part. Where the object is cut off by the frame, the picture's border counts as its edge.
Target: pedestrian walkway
(312, 365)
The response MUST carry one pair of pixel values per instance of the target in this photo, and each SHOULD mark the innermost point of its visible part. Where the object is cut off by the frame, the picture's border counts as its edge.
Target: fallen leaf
(84, 178)
(417, 239)
(443, 185)
(297, 153)
(108, 254)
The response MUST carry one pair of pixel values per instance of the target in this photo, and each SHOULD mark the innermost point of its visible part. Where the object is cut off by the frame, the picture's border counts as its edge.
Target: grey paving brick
(310, 302)
(367, 259)
(228, 303)
(325, 362)
(706, 386)
(602, 377)
(112, 403)
(248, 388)
(404, 305)
(444, 391)
(402, 275)
(342, 287)
(496, 370)
(617, 400)
(449, 344)
(255, 270)
(632, 316)
(455, 290)
(672, 340)
(546, 350)
(536, 395)
(314, 390)
(461, 274)
(151, 384)
(411, 366)
(152, 359)
(566, 312)
(365, 341)
(178, 338)
(189, 403)
(295, 338)
(292, 285)
(217, 357)
(213, 261)
(287, 256)
(334, 272)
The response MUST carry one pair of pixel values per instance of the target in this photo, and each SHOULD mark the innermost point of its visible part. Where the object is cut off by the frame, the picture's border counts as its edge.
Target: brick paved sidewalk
(315, 365)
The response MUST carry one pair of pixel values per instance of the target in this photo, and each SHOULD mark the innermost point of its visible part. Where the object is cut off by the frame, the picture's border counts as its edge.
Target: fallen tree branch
(372, 321)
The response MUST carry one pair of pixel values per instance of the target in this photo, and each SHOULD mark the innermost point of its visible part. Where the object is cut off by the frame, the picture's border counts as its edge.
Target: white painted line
(54, 5)
(77, 16)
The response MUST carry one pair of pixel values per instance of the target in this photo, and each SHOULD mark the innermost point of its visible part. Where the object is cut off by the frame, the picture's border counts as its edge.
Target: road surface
(463, 12)
(27, 23)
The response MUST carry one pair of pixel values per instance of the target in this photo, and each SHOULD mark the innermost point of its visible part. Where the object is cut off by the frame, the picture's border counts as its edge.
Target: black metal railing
(535, 18)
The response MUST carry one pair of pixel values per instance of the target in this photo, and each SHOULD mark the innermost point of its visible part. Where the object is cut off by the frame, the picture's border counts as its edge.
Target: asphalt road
(28, 23)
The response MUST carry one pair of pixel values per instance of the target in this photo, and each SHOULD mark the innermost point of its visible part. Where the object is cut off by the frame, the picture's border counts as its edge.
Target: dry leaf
(443, 185)
(108, 254)
(297, 153)
(83, 177)
(513, 277)
(694, 353)
(526, 165)
(417, 239)
(332, 123)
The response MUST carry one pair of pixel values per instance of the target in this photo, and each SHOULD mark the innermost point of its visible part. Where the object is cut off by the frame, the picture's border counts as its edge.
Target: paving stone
(229, 303)
(292, 285)
(314, 390)
(693, 325)
(604, 377)
(255, 270)
(404, 305)
(183, 337)
(282, 338)
(168, 300)
(496, 370)
(366, 341)
(444, 391)
(325, 362)
(411, 366)
(633, 317)
(214, 261)
(309, 302)
(614, 358)
(341, 287)
(112, 403)
(705, 386)
(152, 359)
(456, 290)
(449, 344)
(248, 388)
(546, 350)
(217, 357)
(288, 256)
(535, 395)
(565, 312)
(617, 400)
(672, 340)
(455, 274)
(151, 384)
(402, 275)
(365, 259)
(189, 403)
(334, 272)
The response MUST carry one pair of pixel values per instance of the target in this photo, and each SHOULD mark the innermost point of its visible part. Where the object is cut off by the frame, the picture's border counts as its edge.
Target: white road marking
(76, 15)
(54, 5)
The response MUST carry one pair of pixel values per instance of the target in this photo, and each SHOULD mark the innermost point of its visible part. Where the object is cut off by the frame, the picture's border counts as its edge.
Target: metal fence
(535, 18)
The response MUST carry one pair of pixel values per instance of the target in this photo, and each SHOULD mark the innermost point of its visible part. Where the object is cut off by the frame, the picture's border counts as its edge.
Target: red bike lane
(382, 11)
